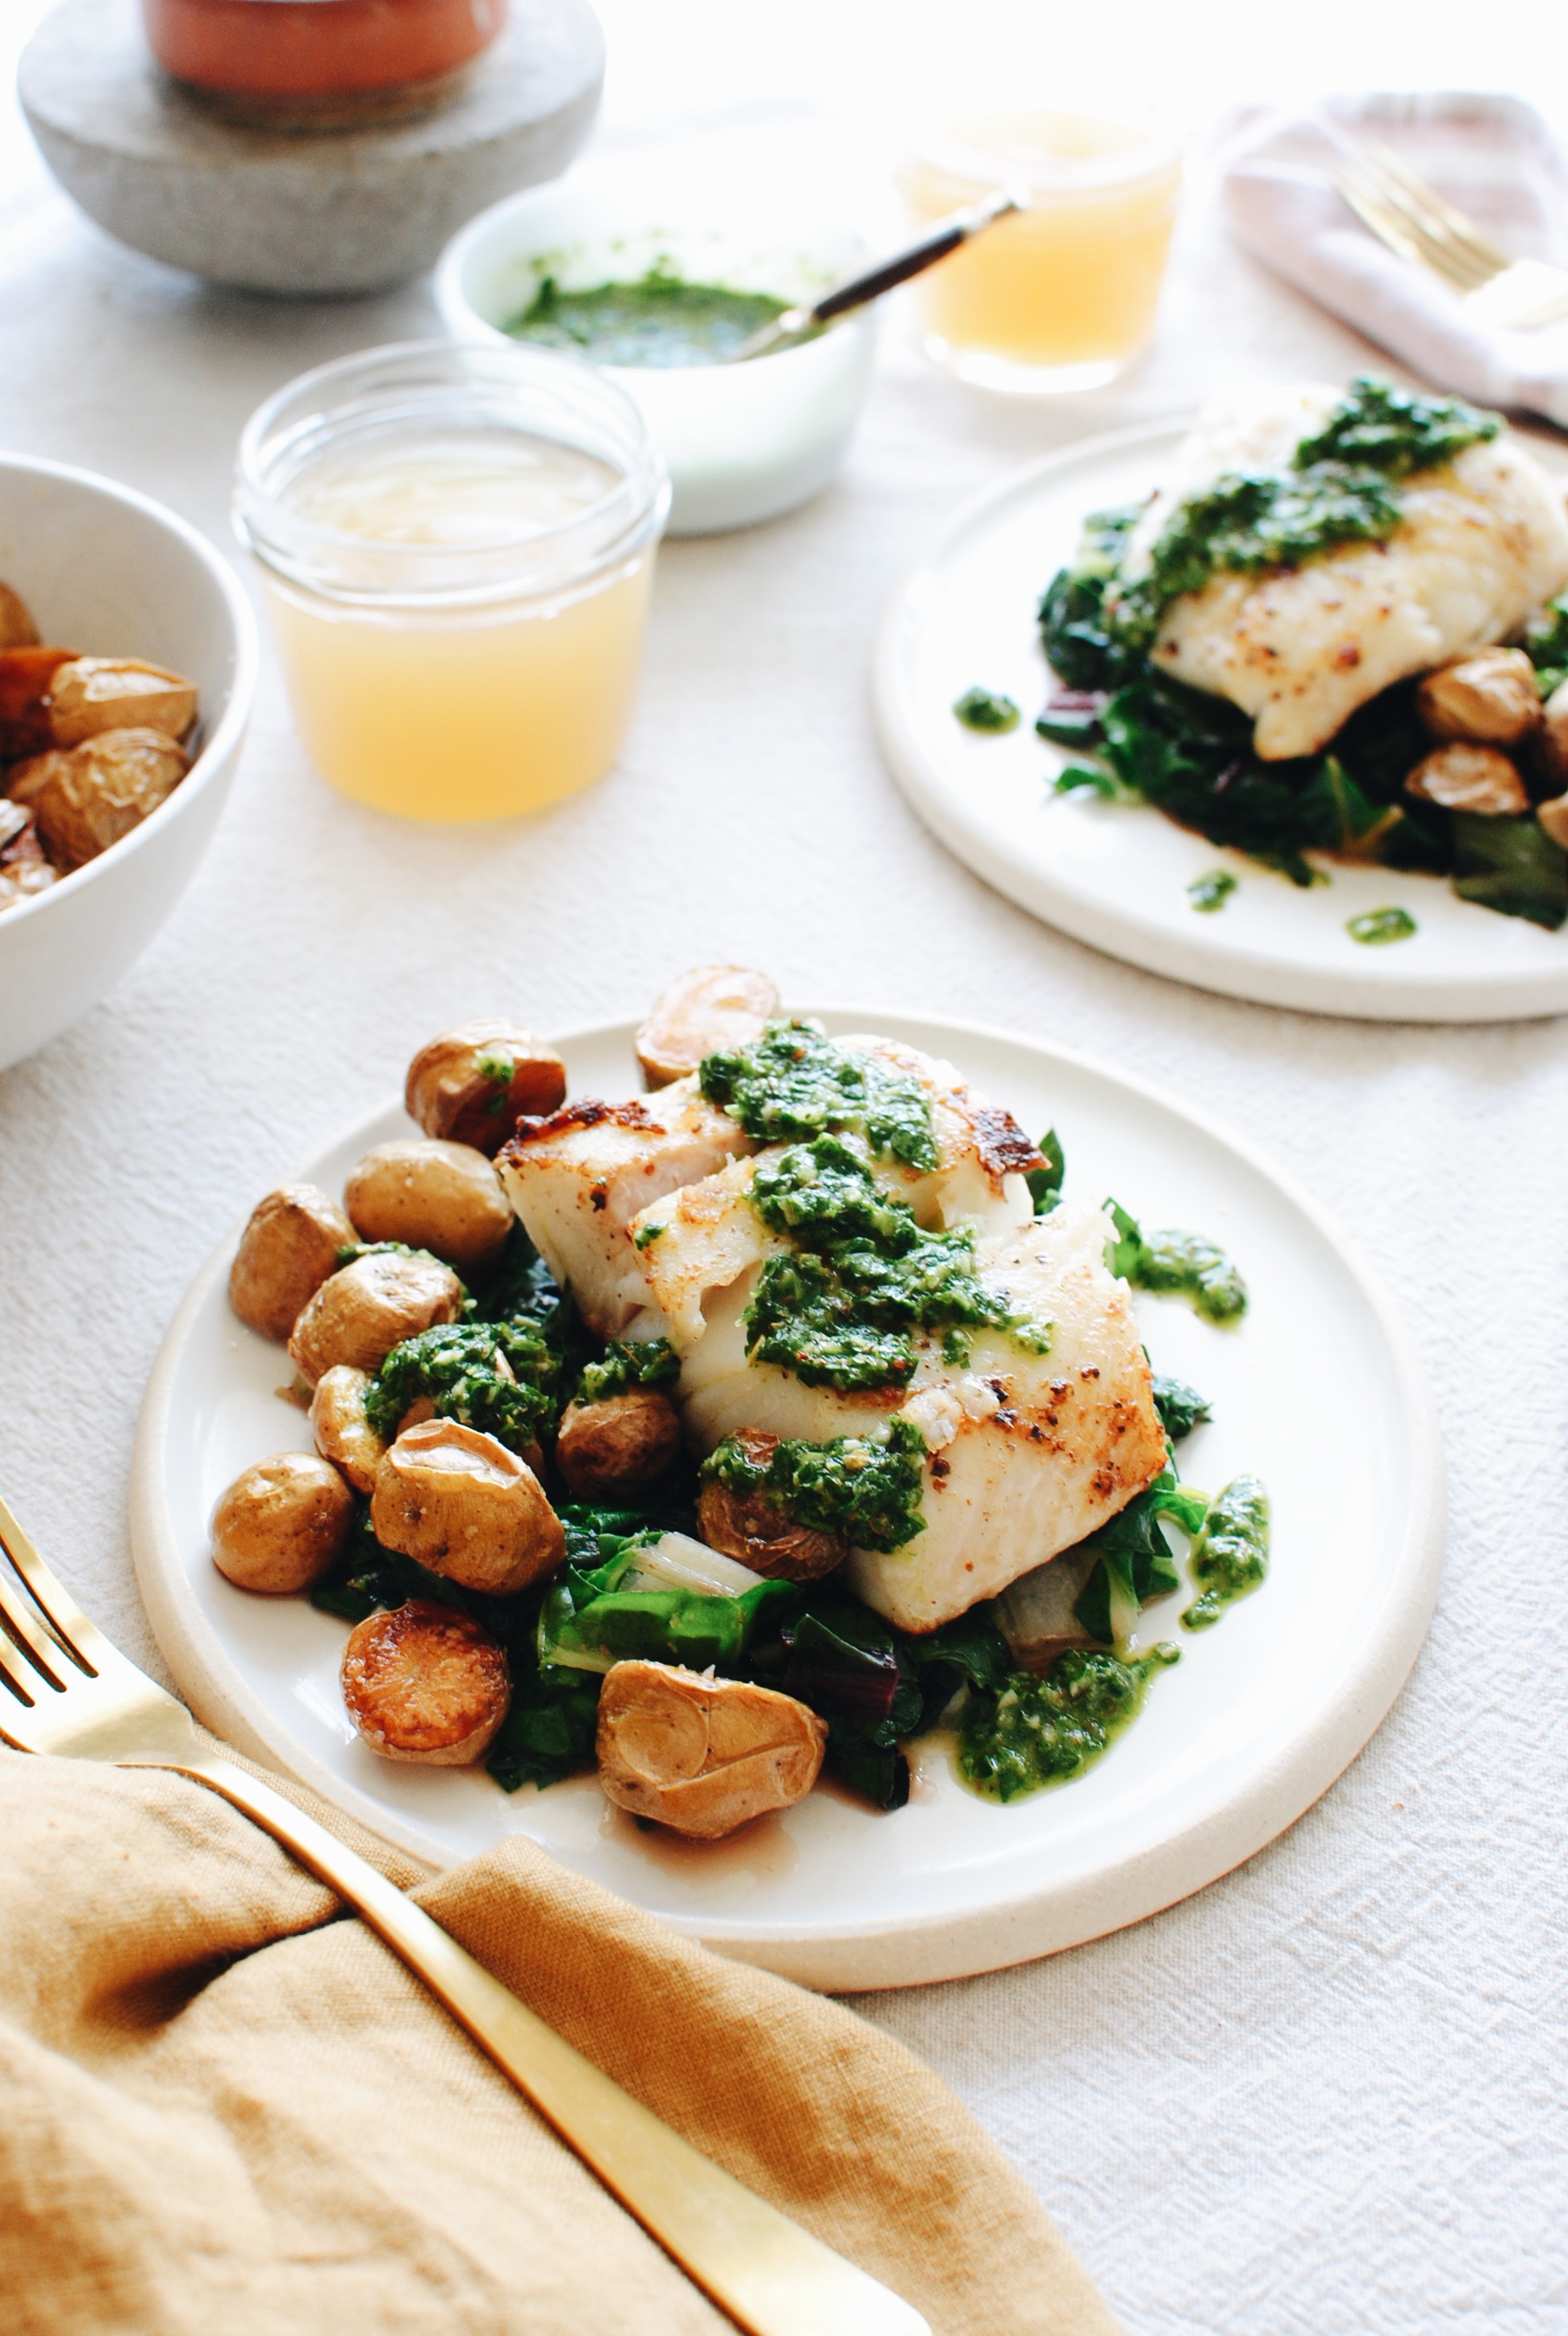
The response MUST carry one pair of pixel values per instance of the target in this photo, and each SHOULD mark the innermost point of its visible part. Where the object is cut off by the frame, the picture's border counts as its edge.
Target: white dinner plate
(1318, 1393)
(1115, 874)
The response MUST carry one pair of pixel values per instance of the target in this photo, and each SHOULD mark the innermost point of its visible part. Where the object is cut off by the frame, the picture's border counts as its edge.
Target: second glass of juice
(1062, 295)
(456, 545)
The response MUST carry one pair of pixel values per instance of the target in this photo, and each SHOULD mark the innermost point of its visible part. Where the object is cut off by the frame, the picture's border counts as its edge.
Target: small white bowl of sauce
(654, 277)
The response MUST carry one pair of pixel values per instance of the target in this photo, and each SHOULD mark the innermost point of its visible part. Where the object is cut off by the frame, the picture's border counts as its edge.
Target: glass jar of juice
(1061, 296)
(456, 545)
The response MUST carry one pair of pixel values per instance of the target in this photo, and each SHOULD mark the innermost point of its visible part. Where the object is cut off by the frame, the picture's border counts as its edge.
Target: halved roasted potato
(343, 1433)
(751, 1527)
(710, 1008)
(702, 1755)
(424, 1682)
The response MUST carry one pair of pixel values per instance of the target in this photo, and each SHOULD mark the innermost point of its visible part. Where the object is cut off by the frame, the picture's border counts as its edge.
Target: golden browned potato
(18, 629)
(445, 1197)
(95, 694)
(362, 1311)
(712, 1007)
(1469, 778)
(425, 1683)
(458, 1501)
(343, 1434)
(1549, 747)
(702, 1755)
(622, 1444)
(1554, 818)
(281, 1524)
(286, 1252)
(24, 870)
(473, 1083)
(87, 797)
(751, 1527)
(1489, 698)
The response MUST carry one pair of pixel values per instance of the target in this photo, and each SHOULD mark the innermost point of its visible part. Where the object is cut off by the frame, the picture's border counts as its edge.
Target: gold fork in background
(64, 1689)
(1413, 220)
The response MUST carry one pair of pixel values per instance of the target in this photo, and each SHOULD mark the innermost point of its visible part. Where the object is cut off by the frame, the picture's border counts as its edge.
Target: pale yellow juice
(1064, 294)
(475, 711)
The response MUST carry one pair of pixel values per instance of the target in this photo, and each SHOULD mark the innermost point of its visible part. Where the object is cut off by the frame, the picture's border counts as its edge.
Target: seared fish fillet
(579, 1178)
(1484, 541)
(1028, 1452)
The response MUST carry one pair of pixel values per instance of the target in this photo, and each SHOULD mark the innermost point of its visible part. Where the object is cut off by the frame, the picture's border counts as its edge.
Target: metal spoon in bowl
(947, 235)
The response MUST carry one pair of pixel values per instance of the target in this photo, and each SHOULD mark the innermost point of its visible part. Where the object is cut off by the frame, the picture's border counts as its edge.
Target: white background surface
(1324, 2099)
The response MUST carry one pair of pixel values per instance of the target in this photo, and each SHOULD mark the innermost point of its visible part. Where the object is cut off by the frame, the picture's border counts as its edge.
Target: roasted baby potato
(702, 1755)
(753, 1528)
(343, 1434)
(425, 1683)
(1489, 698)
(286, 1252)
(281, 1524)
(25, 867)
(473, 1083)
(1469, 778)
(433, 1195)
(621, 1443)
(458, 1501)
(90, 695)
(712, 1007)
(25, 674)
(1549, 747)
(18, 629)
(87, 797)
(362, 1311)
(1554, 818)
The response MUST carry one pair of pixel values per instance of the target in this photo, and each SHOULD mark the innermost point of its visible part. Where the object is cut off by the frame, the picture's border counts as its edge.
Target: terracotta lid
(286, 50)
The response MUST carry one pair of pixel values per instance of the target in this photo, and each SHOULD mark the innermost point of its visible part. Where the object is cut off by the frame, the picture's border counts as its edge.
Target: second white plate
(1117, 875)
(1317, 1392)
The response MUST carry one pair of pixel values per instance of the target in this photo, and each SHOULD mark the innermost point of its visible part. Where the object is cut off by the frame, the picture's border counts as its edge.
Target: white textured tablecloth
(1324, 2099)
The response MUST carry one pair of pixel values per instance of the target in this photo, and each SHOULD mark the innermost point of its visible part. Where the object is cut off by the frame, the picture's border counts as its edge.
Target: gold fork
(64, 1689)
(1413, 220)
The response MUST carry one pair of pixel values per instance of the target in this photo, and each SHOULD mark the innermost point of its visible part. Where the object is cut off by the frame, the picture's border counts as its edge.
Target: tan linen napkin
(223, 2110)
(1491, 156)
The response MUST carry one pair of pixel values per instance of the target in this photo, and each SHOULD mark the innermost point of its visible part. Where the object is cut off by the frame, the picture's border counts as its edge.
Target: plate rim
(1016, 1927)
(1366, 991)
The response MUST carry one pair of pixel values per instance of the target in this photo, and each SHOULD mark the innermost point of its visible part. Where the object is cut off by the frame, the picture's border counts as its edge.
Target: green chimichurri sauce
(866, 1487)
(795, 1080)
(501, 1378)
(985, 710)
(1177, 1264)
(1339, 488)
(1042, 1731)
(626, 1363)
(1230, 1554)
(663, 321)
(1208, 893)
(841, 1310)
(1379, 926)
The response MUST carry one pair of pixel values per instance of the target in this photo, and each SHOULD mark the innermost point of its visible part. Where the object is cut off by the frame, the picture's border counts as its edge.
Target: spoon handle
(946, 235)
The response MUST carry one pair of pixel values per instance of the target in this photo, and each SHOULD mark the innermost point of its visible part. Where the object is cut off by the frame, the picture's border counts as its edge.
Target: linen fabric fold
(1491, 156)
(221, 2108)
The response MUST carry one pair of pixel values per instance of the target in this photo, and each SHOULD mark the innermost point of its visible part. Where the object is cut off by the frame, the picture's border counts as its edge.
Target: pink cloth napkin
(1492, 157)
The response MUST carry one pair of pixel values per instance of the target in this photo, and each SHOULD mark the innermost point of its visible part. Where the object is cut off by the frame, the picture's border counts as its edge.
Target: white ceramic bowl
(742, 443)
(112, 573)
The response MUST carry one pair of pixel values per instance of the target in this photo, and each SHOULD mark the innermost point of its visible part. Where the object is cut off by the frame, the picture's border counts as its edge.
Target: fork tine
(33, 1641)
(1395, 225)
(79, 1636)
(1444, 214)
(24, 1684)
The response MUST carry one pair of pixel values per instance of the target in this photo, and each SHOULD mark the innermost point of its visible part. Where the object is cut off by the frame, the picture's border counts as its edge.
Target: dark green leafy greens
(1133, 1560)
(1181, 1407)
(865, 1487)
(1045, 1182)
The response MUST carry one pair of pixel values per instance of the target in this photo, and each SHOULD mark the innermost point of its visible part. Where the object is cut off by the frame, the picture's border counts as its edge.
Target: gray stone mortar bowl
(318, 212)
